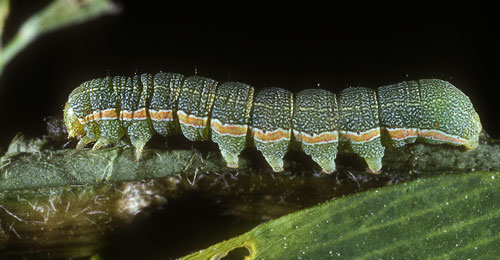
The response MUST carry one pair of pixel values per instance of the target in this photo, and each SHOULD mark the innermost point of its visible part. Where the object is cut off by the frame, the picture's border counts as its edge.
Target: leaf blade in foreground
(453, 216)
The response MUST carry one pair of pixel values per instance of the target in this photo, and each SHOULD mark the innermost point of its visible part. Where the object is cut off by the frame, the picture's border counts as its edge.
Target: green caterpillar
(234, 116)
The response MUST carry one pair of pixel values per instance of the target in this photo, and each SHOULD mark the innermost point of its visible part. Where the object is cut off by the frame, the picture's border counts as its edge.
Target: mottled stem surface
(68, 203)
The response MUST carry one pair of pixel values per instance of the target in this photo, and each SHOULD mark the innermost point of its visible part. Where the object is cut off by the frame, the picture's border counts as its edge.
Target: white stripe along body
(234, 116)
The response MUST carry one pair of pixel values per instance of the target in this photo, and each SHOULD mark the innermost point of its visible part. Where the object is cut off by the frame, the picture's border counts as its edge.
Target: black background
(293, 46)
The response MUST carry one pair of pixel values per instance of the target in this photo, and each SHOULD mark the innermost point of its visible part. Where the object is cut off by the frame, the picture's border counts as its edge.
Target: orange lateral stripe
(361, 137)
(326, 137)
(139, 114)
(273, 136)
(191, 120)
(234, 130)
(88, 118)
(437, 135)
(97, 115)
(125, 115)
(402, 133)
(161, 115)
(109, 114)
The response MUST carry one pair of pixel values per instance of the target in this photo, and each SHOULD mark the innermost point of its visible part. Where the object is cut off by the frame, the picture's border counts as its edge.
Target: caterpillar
(235, 116)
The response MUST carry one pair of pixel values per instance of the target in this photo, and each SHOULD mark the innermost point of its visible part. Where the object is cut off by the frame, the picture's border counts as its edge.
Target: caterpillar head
(73, 125)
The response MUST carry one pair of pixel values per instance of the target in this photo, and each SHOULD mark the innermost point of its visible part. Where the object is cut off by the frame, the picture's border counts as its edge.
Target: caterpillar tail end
(472, 143)
(374, 165)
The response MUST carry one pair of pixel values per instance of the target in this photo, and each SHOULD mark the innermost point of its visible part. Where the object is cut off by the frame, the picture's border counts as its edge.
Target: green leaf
(445, 217)
(4, 13)
(58, 14)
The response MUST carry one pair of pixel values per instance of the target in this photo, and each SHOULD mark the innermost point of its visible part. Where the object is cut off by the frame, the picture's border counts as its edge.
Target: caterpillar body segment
(272, 124)
(195, 106)
(400, 112)
(315, 127)
(163, 107)
(447, 115)
(235, 116)
(360, 125)
(230, 119)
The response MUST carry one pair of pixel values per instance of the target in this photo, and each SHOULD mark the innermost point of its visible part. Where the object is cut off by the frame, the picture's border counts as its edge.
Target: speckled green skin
(315, 112)
(447, 109)
(232, 105)
(400, 107)
(128, 98)
(196, 98)
(142, 130)
(167, 88)
(95, 96)
(359, 112)
(79, 100)
(272, 110)
(422, 105)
